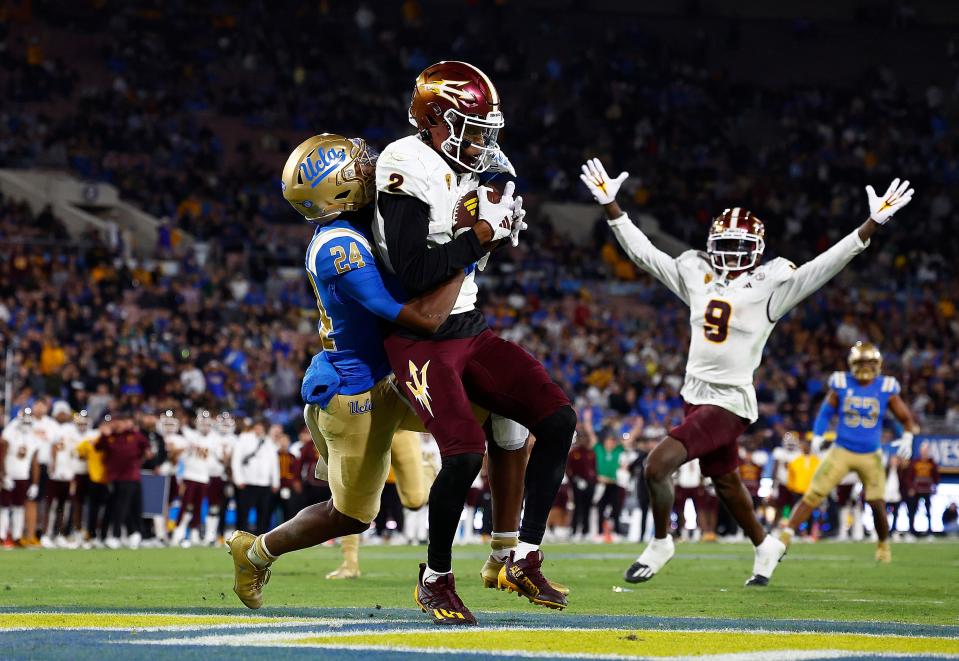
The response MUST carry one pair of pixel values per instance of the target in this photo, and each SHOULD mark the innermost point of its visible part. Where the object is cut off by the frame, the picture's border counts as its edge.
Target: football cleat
(884, 552)
(653, 558)
(344, 571)
(768, 555)
(440, 601)
(248, 579)
(490, 575)
(525, 577)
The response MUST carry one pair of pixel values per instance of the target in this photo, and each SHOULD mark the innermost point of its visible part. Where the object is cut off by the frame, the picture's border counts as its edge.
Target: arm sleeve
(366, 286)
(648, 257)
(823, 418)
(406, 224)
(813, 274)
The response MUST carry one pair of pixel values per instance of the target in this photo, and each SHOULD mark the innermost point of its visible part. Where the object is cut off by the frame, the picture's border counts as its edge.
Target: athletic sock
(350, 545)
(4, 523)
(17, 517)
(209, 532)
(502, 543)
(259, 555)
(523, 549)
(430, 575)
(768, 541)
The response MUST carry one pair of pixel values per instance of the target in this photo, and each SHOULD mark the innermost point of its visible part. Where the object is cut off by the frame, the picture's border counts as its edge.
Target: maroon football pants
(441, 377)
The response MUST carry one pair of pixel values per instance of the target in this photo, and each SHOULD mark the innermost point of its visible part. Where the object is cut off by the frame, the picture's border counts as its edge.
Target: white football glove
(519, 224)
(817, 441)
(33, 491)
(499, 215)
(881, 209)
(501, 164)
(599, 183)
(7, 483)
(903, 446)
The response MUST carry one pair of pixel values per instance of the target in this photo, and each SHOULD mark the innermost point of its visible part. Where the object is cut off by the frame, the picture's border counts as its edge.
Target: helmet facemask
(167, 424)
(865, 370)
(82, 421)
(225, 424)
(734, 250)
(204, 422)
(462, 127)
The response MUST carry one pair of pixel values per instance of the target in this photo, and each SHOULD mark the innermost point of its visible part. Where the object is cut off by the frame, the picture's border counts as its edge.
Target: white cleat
(112, 543)
(768, 555)
(653, 558)
(47, 543)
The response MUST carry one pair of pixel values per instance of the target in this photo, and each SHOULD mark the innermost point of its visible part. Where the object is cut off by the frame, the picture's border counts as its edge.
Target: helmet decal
(315, 172)
(449, 90)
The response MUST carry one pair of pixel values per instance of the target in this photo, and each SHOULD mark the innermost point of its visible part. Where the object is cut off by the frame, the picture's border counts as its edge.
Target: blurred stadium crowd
(191, 112)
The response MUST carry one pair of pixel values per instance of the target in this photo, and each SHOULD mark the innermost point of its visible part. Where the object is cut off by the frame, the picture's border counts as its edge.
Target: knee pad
(559, 426)
(213, 511)
(508, 434)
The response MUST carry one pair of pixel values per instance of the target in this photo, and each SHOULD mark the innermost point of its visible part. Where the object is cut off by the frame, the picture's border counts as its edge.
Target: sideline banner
(944, 450)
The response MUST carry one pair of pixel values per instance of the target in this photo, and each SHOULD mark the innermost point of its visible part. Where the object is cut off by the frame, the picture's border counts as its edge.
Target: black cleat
(638, 573)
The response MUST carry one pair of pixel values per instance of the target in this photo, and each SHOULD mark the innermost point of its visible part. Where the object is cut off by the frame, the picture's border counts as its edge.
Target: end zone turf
(390, 633)
(827, 601)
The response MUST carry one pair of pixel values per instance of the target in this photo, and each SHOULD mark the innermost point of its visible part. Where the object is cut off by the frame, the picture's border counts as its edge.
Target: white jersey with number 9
(731, 319)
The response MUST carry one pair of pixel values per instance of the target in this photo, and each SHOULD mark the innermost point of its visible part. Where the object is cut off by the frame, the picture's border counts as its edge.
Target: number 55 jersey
(731, 319)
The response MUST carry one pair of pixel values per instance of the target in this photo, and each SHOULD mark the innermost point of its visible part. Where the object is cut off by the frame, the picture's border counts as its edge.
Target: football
(466, 211)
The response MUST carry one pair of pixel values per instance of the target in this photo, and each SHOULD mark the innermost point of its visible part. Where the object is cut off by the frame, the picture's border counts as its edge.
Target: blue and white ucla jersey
(352, 299)
(861, 410)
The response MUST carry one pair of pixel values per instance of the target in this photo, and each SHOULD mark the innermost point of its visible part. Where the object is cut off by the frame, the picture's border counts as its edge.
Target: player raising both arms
(734, 304)
(860, 397)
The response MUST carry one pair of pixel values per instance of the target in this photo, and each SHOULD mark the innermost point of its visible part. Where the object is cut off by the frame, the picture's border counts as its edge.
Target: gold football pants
(838, 463)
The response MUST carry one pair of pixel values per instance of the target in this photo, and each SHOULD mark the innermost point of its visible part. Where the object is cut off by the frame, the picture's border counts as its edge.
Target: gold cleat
(248, 579)
(490, 575)
(490, 572)
(344, 571)
(883, 553)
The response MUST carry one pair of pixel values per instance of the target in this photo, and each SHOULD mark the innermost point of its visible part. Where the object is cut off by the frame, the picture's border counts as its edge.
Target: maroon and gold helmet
(736, 240)
(455, 105)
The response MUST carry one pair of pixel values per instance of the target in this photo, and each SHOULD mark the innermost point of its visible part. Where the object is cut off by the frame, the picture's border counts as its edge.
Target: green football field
(827, 600)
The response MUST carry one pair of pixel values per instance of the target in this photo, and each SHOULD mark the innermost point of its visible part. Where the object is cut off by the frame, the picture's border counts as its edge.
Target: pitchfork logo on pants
(419, 387)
